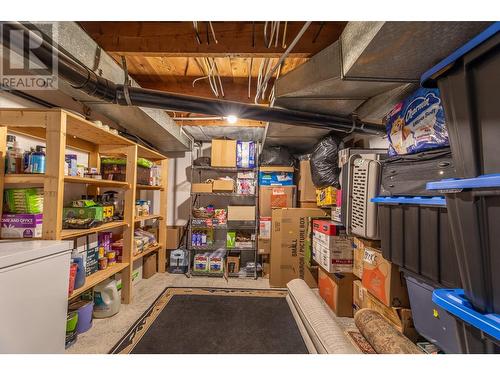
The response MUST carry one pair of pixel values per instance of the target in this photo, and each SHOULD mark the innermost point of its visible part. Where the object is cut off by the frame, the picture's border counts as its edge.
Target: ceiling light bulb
(232, 119)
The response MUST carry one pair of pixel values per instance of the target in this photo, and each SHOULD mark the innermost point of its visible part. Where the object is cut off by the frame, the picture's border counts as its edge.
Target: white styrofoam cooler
(34, 278)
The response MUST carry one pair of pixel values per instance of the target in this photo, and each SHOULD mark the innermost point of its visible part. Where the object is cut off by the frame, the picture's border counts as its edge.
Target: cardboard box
(357, 265)
(308, 205)
(383, 279)
(264, 246)
(137, 272)
(149, 265)
(288, 234)
(174, 235)
(266, 266)
(201, 187)
(401, 318)
(359, 296)
(265, 228)
(233, 264)
(275, 197)
(326, 196)
(21, 225)
(240, 213)
(276, 168)
(223, 153)
(361, 243)
(332, 248)
(307, 190)
(223, 185)
(336, 291)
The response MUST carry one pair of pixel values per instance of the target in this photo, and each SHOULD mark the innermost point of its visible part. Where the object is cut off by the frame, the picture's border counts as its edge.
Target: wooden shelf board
(149, 187)
(148, 251)
(31, 179)
(148, 217)
(144, 152)
(71, 233)
(98, 277)
(96, 182)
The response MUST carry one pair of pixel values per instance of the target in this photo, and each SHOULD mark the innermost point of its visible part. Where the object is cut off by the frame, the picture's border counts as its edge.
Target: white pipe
(282, 58)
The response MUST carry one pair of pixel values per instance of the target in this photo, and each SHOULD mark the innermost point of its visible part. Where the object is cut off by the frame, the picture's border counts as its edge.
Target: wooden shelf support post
(162, 231)
(128, 217)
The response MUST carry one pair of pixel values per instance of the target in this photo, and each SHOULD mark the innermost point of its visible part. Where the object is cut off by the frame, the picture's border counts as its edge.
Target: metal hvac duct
(82, 78)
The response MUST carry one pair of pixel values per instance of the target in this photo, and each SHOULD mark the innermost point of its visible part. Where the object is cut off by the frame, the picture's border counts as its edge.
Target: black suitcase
(407, 175)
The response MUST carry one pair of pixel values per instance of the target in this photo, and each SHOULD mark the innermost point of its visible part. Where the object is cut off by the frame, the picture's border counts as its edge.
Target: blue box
(276, 178)
(245, 154)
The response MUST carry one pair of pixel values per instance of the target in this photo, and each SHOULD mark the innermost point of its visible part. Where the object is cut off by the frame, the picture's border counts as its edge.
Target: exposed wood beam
(177, 39)
(235, 89)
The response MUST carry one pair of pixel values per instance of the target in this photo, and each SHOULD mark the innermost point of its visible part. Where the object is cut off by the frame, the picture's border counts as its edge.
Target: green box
(94, 212)
(230, 240)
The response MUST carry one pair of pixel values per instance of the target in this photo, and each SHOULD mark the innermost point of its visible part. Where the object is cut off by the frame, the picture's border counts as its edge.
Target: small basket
(199, 213)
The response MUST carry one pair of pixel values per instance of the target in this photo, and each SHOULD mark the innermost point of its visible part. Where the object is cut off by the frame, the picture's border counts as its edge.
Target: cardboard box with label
(276, 176)
(223, 186)
(383, 279)
(326, 196)
(275, 197)
(308, 205)
(307, 190)
(232, 263)
(223, 153)
(332, 248)
(288, 235)
(336, 291)
(203, 187)
(240, 213)
(174, 234)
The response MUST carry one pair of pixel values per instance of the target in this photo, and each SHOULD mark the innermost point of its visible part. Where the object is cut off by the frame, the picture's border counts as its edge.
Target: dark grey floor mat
(195, 324)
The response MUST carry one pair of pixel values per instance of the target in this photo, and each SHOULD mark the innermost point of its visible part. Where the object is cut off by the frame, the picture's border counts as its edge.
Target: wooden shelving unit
(60, 129)
(147, 217)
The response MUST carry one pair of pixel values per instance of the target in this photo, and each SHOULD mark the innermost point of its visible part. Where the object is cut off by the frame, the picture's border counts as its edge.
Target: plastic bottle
(37, 160)
(80, 272)
(106, 299)
(14, 159)
(203, 239)
(27, 160)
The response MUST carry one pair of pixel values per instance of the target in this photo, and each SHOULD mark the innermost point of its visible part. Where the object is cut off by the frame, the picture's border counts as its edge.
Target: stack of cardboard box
(382, 286)
(276, 191)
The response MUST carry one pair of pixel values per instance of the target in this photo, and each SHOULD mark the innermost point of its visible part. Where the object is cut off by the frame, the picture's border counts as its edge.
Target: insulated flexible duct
(84, 79)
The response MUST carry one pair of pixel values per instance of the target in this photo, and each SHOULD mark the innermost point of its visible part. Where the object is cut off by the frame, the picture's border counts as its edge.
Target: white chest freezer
(34, 278)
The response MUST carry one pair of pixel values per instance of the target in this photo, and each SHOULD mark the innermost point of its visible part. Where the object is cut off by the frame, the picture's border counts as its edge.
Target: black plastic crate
(415, 235)
(469, 84)
(474, 213)
(477, 333)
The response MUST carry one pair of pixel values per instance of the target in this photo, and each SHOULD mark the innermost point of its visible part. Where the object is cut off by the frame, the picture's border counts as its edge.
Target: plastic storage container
(415, 235)
(469, 83)
(84, 310)
(431, 321)
(473, 210)
(478, 333)
(106, 299)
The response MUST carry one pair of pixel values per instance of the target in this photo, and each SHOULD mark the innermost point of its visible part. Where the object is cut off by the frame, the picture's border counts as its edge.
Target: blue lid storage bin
(415, 235)
(469, 84)
(478, 333)
(431, 321)
(474, 214)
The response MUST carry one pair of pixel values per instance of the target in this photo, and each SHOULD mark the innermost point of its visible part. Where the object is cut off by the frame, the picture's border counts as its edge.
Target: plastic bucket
(84, 310)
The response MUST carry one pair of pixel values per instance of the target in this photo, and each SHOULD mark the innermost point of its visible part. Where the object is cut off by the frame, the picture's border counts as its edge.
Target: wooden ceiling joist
(237, 39)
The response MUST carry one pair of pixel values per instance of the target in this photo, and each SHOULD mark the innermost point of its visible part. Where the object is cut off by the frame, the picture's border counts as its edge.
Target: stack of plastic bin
(415, 235)
(469, 82)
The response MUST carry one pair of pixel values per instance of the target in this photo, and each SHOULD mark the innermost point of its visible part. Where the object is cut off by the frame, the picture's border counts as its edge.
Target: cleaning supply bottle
(106, 299)
(80, 272)
(37, 160)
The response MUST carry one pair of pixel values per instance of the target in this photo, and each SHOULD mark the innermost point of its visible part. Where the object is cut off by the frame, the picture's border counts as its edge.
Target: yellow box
(326, 196)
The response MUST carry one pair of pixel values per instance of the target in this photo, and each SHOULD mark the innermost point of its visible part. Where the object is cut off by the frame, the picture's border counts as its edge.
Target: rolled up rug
(382, 335)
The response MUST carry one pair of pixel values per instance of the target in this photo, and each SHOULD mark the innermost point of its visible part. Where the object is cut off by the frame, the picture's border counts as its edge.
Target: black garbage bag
(324, 162)
(276, 155)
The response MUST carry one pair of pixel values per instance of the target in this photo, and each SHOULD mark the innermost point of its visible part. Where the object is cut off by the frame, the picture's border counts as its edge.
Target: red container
(72, 276)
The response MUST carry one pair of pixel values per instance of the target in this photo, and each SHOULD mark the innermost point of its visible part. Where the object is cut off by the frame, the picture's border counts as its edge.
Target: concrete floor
(106, 332)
